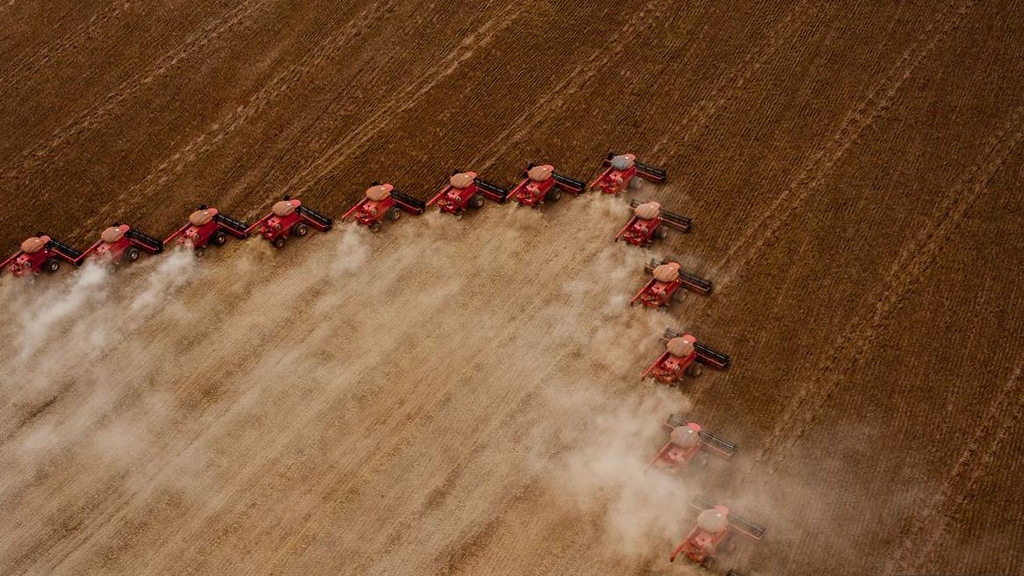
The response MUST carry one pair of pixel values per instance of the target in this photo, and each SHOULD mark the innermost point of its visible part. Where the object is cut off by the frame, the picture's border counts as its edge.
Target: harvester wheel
(554, 194)
(200, 252)
(131, 254)
(278, 242)
(636, 183)
(51, 265)
(660, 233)
(702, 460)
(675, 420)
(394, 213)
(477, 201)
(300, 229)
(219, 238)
(695, 370)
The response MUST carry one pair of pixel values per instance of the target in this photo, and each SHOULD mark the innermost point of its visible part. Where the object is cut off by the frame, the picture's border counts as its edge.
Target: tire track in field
(46, 150)
(31, 66)
(401, 101)
(958, 488)
(201, 145)
(726, 87)
(766, 225)
(851, 346)
(554, 99)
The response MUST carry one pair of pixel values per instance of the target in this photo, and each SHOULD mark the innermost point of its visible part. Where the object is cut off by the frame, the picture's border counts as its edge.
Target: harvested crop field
(463, 396)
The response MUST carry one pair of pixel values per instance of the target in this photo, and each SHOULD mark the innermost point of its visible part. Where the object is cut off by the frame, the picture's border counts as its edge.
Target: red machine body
(649, 222)
(666, 281)
(383, 201)
(689, 442)
(683, 355)
(466, 190)
(207, 226)
(713, 533)
(122, 243)
(623, 170)
(287, 218)
(542, 184)
(40, 253)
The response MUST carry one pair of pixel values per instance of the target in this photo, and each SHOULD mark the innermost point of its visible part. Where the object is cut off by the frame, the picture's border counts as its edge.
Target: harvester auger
(40, 253)
(650, 222)
(714, 533)
(542, 184)
(622, 171)
(666, 280)
(689, 442)
(208, 226)
(121, 243)
(383, 201)
(288, 217)
(683, 355)
(466, 190)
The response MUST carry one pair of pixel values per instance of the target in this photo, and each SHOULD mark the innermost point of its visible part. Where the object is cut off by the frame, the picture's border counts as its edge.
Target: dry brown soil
(462, 397)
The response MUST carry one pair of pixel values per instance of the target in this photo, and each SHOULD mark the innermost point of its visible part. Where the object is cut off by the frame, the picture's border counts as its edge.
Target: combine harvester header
(466, 190)
(541, 183)
(288, 217)
(683, 355)
(383, 201)
(621, 171)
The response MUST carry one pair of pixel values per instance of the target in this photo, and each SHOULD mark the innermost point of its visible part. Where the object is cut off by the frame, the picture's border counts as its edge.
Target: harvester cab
(649, 222)
(713, 533)
(541, 183)
(666, 280)
(683, 355)
(40, 253)
(689, 442)
(122, 243)
(288, 217)
(208, 226)
(624, 170)
(383, 201)
(466, 190)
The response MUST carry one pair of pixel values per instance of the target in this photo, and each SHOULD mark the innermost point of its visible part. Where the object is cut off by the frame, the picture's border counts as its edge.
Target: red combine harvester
(689, 442)
(289, 217)
(621, 170)
(713, 534)
(465, 190)
(542, 184)
(650, 222)
(666, 280)
(683, 355)
(207, 226)
(40, 253)
(383, 201)
(122, 243)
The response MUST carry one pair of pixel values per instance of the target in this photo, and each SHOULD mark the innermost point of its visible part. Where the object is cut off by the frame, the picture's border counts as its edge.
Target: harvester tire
(394, 213)
(660, 233)
(375, 227)
(300, 229)
(636, 183)
(553, 195)
(477, 201)
(51, 265)
(695, 370)
(219, 238)
(702, 460)
(675, 420)
(200, 252)
(278, 242)
(131, 254)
